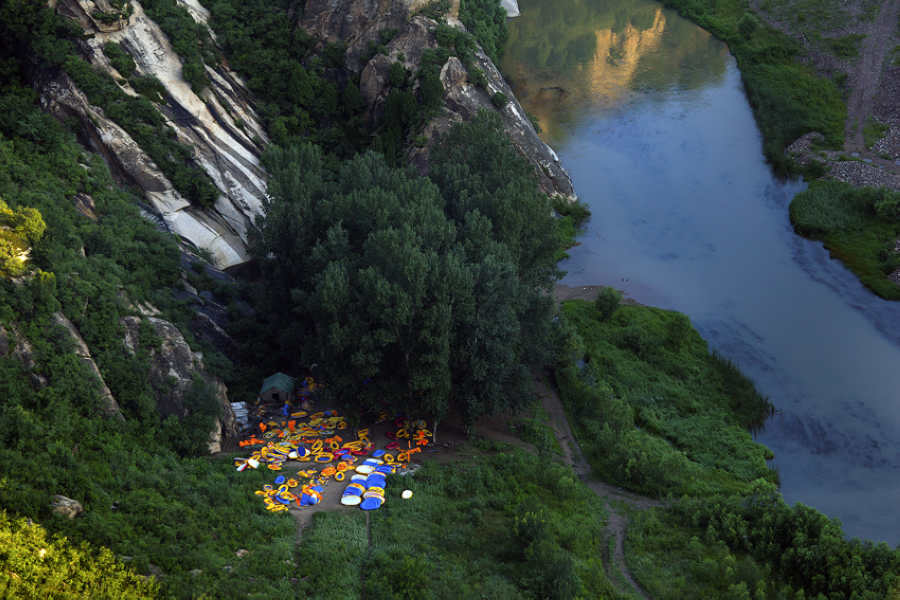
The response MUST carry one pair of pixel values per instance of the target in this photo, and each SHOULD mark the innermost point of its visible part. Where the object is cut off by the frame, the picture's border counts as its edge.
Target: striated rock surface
(174, 366)
(511, 7)
(108, 403)
(357, 23)
(220, 126)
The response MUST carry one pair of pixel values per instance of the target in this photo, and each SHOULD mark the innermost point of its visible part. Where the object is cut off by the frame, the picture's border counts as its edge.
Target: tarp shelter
(277, 388)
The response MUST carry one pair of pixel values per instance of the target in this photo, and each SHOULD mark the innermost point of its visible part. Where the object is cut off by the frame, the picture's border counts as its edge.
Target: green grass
(533, 426)
(503, 524)
(653, 410)
(873, 131)
(846, 220)
(846, 46)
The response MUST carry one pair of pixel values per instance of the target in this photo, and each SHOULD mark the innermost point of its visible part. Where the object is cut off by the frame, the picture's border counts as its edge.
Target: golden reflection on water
(565, 57)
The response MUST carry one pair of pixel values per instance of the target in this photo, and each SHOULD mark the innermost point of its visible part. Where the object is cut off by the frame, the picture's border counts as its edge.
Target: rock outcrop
(220, 126)
(66, 507)
(358, 23)
(108, 403)
(511, 7)
(174, 367)
(14, 344)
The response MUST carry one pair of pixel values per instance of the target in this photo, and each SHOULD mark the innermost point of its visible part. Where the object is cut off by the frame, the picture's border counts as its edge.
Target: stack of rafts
(366, 488)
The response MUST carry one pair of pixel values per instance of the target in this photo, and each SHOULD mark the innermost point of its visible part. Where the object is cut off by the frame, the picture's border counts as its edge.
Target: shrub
(119, 59)
(607, 302)
(499, 100)
(747, 25)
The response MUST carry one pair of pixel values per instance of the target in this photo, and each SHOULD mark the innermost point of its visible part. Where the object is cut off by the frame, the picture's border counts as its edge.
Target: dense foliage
(486, 20)
(36, 565)
(652, 408)
(858, 225)
(407, 293)
(755, 547)
(301, 93)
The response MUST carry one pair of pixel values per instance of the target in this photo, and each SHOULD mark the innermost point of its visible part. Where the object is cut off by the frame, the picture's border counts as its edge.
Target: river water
(648, 114)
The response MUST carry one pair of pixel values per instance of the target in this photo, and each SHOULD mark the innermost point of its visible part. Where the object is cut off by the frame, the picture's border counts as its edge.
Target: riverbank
(850, 47)
(643, 396)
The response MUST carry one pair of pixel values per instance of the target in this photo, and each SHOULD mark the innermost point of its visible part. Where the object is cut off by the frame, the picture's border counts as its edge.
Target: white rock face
(511, 7)
(220, 127)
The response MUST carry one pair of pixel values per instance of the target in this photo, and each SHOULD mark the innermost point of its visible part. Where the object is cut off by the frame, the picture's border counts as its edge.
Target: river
(648, 114)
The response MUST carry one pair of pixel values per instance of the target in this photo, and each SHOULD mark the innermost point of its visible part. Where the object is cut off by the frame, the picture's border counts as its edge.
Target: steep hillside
(152, 91)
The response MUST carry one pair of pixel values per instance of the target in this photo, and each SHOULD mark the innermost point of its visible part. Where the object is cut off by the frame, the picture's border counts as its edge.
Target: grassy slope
(501, 524)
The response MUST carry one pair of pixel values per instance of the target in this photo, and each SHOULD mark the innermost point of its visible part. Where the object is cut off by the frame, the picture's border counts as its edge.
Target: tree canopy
(409, 295)
(19, 229)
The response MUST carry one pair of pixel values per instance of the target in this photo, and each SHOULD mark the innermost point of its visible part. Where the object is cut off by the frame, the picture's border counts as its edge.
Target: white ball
(406, 495)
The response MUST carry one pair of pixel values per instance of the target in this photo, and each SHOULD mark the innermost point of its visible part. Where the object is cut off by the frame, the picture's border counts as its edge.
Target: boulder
(66, 507)
(85, 205)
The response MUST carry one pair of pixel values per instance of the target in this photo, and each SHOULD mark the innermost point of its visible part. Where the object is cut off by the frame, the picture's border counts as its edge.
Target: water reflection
(649, 116)
(567, 55)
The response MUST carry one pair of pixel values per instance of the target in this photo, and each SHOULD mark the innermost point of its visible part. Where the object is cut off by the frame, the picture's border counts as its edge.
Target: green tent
(277, 388)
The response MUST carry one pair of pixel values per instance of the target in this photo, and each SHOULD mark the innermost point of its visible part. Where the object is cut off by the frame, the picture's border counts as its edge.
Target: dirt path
(618, 522)
(867, 76)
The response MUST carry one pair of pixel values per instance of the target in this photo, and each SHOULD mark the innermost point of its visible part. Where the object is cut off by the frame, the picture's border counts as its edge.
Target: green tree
(405, 294)
(19, 230)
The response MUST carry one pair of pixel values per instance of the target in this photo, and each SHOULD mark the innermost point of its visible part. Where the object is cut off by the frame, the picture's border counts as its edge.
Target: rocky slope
(358, 23)
(220, 126)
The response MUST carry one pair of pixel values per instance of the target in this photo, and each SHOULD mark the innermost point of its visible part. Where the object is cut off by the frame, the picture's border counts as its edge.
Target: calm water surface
(648, 114)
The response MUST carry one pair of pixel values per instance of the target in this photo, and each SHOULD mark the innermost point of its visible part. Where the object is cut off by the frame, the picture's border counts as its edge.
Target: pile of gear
(302, 437)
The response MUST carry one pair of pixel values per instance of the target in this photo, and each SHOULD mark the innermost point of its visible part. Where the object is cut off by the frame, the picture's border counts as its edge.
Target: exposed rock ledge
(359, 22)
(511, 7)
(221, 127)
(107, 402)
(173, 369)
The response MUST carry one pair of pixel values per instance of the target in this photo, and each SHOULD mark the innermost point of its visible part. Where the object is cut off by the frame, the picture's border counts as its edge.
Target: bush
(499, 100)
(747, 25)
(607, 302)
(119, 59)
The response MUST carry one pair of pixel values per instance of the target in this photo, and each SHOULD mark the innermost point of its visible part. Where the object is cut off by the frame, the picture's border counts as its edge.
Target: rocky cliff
(359, 23)
(222, 130)
(219, 125)
(174, 369)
